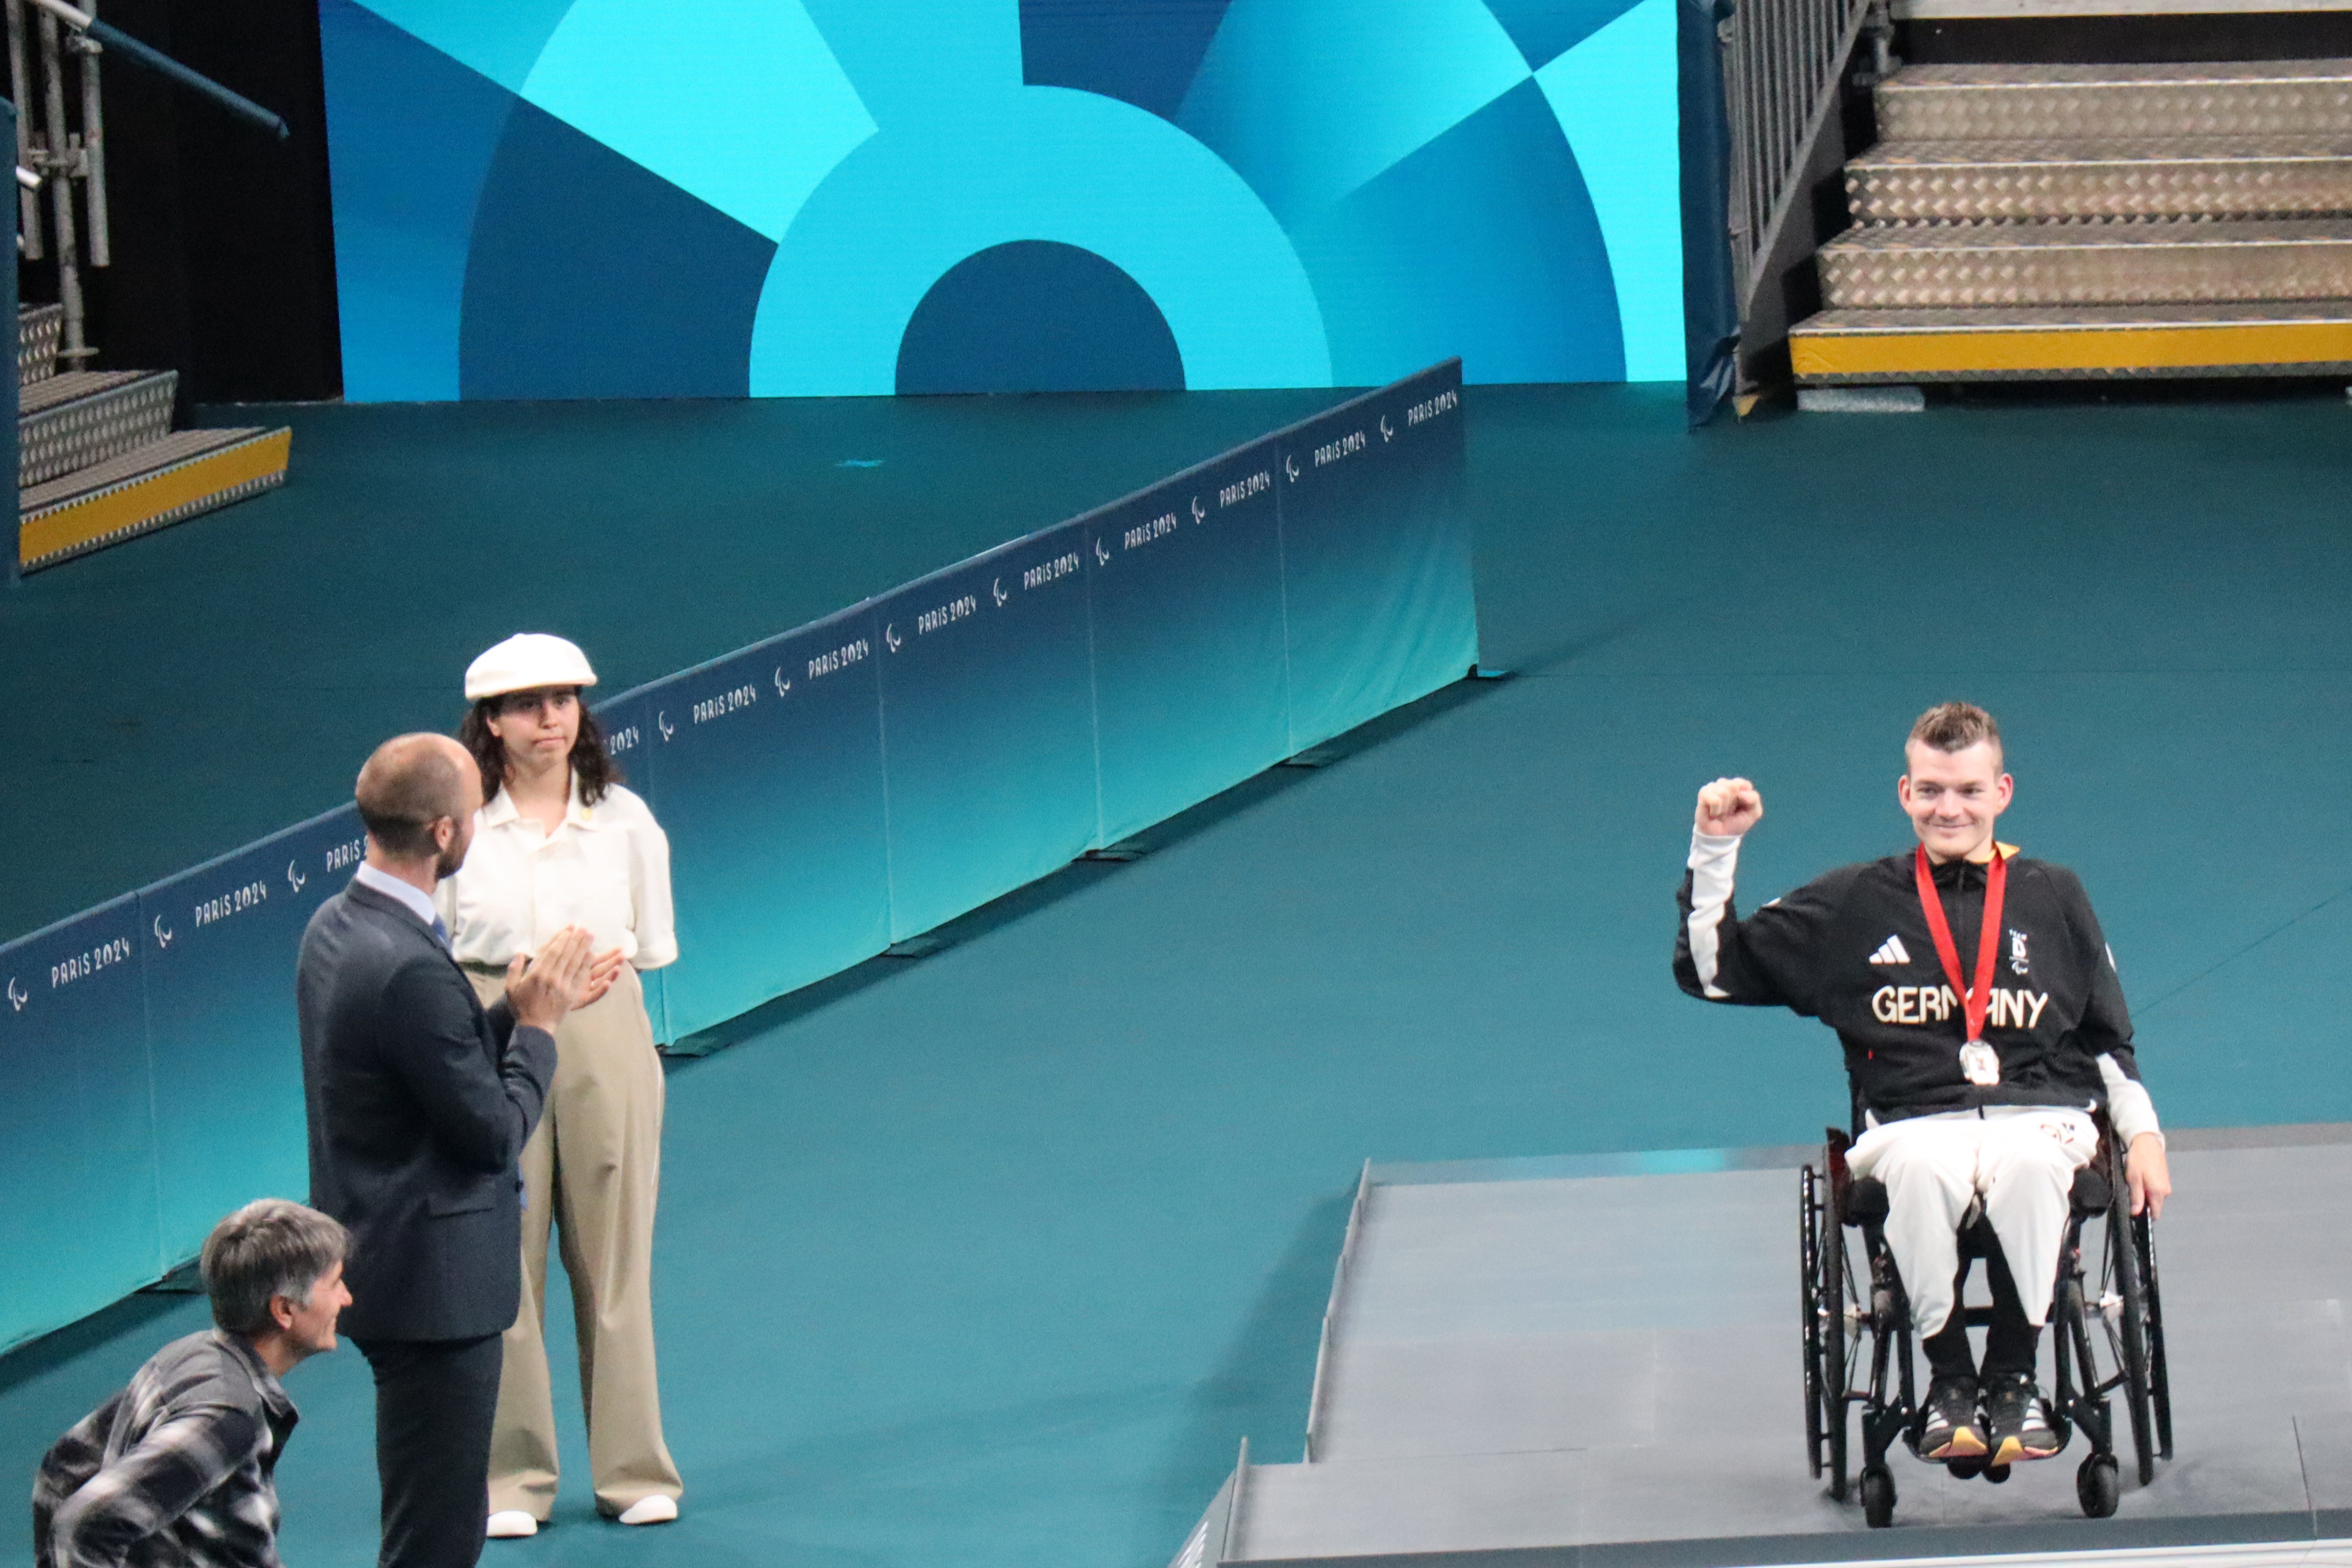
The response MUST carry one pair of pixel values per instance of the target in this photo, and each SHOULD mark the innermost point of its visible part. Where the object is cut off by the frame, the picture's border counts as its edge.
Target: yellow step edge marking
(2281, 344)
(127, 505)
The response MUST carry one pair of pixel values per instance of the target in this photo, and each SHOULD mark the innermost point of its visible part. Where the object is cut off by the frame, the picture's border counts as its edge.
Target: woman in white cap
(560, 843)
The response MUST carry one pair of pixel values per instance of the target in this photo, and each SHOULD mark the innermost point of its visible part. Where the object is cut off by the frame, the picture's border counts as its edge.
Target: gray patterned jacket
(178, 1470)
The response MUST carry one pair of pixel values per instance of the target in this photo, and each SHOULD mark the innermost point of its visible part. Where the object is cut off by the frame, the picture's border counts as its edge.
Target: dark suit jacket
(420, 1102)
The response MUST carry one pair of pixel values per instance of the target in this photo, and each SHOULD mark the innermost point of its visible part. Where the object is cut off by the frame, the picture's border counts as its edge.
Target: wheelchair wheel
(1878, 1497)
(2074, 1392)
(2123, 1306)
(1831, 1300)
(2097, 1488)
(2159, 1380)
(1810, 1313)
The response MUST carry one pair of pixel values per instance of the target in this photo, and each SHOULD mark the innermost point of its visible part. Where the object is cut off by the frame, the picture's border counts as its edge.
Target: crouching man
(1983, 1022)
(178, 1469)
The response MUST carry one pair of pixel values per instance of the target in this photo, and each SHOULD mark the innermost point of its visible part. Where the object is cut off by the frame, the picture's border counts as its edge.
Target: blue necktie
(441, 929)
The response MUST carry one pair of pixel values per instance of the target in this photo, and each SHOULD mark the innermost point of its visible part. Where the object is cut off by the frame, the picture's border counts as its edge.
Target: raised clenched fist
(1729, 806)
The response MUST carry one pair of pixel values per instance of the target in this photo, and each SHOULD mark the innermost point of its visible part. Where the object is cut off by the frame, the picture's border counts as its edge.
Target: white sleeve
(1714, 861)
(2129, 1106)
(655, 923)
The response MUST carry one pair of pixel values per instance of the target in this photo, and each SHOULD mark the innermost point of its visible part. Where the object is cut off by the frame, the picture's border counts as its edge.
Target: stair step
(39, 329)
(79, 417)
(2309, 338)
(164, 483)
(2209, 177)
(2110, 103)
(1915, 265)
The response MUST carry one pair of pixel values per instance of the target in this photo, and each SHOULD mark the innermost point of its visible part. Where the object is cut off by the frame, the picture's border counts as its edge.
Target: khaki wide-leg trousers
(593, 1168)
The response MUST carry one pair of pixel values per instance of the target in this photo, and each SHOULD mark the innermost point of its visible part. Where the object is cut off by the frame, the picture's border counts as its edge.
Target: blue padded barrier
(826, 793)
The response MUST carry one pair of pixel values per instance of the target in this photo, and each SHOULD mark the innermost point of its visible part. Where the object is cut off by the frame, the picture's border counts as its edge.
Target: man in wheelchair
(1974, 1087)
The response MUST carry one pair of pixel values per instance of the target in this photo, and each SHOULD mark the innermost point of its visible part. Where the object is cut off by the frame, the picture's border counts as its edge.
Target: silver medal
(1981, 1063)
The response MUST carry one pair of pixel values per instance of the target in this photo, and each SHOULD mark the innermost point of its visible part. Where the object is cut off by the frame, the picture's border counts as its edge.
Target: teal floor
(994, 1258)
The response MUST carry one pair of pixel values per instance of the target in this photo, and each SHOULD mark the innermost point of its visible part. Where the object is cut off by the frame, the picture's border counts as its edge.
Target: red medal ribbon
(1974, 998)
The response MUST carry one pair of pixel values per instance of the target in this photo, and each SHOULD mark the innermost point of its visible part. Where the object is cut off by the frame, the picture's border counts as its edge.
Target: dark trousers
(434, 1403)
(2010, 1342)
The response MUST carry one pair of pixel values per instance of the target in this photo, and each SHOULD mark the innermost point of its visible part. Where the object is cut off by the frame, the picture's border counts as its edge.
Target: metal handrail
(62, 156)
(1781, 61)
(132, 49)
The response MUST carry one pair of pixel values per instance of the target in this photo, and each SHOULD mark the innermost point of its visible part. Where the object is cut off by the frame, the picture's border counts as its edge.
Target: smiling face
(309, 1327)
(1953, 797)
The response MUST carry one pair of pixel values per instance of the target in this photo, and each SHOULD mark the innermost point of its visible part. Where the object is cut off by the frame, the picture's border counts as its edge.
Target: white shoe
(654, 1509)
(512, 1524)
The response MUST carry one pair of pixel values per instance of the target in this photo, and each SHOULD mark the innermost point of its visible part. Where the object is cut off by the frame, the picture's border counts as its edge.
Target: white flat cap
(525, 662)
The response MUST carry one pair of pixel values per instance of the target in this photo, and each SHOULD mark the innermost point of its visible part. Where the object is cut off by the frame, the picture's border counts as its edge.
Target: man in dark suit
(420, 1102)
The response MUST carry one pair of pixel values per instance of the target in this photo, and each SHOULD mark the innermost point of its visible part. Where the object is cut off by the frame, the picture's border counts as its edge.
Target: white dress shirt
(605, 867)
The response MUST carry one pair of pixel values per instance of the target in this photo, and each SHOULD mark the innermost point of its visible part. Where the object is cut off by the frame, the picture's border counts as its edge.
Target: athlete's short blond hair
(1954, 727)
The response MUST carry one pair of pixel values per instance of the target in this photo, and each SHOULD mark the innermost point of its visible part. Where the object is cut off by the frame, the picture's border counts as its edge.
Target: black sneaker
(1950, 1430)
(2019, 1421)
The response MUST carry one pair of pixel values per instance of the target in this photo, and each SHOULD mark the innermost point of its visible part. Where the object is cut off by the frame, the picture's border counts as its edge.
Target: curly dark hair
(593, 767)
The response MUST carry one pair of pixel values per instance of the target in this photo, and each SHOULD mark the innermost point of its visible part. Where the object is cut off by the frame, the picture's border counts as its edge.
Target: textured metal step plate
(72, 420)
(1912, 266)
(2057, 102)
(39, 329)
(2129, 341)
(179, 477)
(2007, 181)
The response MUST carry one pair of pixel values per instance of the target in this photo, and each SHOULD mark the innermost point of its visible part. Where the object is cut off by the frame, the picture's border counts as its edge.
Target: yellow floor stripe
(2224, 344)
(127, 506)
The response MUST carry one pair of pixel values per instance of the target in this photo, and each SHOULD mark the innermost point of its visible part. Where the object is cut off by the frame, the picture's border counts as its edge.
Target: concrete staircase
(2024, 222)
(96, 459)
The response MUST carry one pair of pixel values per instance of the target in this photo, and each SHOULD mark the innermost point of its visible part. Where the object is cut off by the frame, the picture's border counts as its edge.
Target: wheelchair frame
(1838, 1317)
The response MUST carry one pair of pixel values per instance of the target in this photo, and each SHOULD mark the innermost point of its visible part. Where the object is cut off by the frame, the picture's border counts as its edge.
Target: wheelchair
(2106, 1342)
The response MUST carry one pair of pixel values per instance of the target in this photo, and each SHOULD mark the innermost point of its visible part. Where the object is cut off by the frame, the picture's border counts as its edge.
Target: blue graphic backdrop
(826, 793)
(570, 198)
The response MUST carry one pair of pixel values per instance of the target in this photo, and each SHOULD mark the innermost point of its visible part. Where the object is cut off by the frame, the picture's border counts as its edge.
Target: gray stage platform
(1594, 1361)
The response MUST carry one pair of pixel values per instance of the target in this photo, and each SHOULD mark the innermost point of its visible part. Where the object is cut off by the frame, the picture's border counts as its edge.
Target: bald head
(410, 786)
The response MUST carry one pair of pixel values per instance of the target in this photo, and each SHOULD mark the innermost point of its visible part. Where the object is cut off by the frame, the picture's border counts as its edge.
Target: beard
(445, 864)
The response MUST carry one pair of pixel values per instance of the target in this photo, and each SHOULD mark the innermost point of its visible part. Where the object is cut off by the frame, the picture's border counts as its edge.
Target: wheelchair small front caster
(1877, 1496)
(1966, 1469)
(1996, 1473)
(2099, 1486)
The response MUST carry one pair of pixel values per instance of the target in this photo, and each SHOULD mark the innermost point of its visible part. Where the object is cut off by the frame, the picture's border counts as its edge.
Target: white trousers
(2020, 1160)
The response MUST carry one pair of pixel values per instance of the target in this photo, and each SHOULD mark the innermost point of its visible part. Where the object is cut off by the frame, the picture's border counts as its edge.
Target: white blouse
(607, 868)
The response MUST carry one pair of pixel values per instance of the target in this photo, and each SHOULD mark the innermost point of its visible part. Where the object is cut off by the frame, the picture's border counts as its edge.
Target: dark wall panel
(224, 240)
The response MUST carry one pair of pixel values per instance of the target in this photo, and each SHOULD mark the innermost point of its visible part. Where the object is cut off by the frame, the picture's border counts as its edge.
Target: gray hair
(268, 1247)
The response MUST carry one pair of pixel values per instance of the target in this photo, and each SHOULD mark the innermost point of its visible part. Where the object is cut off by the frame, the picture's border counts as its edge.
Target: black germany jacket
(1852, 949)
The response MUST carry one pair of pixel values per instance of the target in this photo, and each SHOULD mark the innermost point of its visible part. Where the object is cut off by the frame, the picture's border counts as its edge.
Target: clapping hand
(601, 973)
(542, 989)
(1728, 808)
